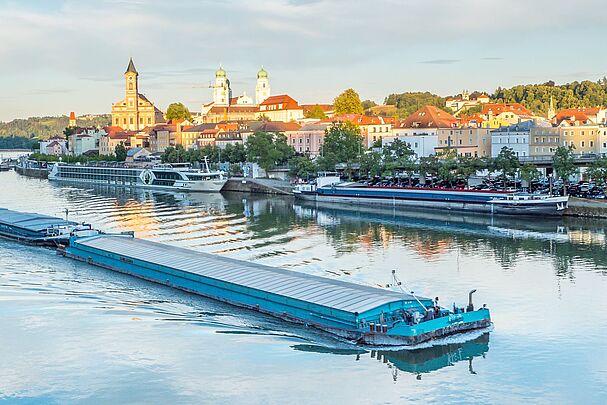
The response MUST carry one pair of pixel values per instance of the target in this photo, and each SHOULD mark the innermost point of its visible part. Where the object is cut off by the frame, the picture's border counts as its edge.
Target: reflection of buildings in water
(430, 249)
(586, 237)
(379, 234)
(417, 361)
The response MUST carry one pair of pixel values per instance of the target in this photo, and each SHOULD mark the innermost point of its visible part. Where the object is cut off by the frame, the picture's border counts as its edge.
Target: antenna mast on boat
(400, 285)
(66, 214)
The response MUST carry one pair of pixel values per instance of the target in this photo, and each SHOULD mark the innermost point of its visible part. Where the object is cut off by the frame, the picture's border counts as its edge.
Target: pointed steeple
(551, 109)
(131, 67)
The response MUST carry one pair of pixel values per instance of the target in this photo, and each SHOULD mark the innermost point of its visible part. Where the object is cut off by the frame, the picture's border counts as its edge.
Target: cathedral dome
(262, 74)
(220, 72)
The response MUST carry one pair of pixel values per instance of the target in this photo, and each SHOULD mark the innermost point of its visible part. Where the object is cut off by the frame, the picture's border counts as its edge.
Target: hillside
(536, 97)
(45, 127)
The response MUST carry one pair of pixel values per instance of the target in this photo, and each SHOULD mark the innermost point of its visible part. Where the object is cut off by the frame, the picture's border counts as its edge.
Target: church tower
(131, 84)
(551, 109)
(72, 120)
(221, 90)
(262, 90)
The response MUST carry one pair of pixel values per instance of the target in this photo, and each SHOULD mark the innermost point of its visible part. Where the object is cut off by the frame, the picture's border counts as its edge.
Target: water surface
(70, 332)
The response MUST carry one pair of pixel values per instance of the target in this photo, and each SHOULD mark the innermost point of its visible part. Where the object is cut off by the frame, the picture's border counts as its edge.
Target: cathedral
(135, 111)
(225, 107)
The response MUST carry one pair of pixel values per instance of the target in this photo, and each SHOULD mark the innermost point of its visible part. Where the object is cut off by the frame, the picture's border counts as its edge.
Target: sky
(58, 56)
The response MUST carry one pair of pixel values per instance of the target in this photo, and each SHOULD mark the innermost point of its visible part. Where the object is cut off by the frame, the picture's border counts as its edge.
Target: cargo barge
(37, 229)
(329, 190)
(366, 315)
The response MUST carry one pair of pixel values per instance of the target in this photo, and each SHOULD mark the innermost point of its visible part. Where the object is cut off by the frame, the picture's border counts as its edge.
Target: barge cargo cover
(345, 309)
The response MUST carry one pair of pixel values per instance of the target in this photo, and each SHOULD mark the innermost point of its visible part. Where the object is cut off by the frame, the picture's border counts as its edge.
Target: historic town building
(135, 111)
(225, 107)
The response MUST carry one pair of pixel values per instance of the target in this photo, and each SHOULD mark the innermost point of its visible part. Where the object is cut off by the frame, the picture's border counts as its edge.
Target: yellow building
(503, 115)
(543, 141)
(471, 142)
(583, 138)
(135, 111)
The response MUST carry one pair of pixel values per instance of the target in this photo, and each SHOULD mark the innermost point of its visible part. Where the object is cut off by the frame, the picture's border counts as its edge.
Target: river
(70, 332)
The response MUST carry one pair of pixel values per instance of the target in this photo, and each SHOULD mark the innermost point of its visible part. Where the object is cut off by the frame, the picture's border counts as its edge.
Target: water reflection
(418, 361)
(432, 234)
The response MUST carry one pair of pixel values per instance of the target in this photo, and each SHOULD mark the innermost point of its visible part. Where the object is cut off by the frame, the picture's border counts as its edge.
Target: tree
(598, 171)
(408, 103)
(347, 102)
(177, 111)
(506, 162)
(342, 144)
(120, 152)
(367, 104)
(529, 173)
(563, 164)
(268, 150)
(316, 112)
(398, 155)
(68, 131)
(302, 166)
(371, 164)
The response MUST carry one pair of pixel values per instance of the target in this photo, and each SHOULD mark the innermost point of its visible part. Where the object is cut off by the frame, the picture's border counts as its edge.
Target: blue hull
(364, 314)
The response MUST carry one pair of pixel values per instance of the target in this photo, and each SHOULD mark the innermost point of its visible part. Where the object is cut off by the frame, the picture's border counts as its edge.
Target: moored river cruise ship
(331, 190)
(159, 176)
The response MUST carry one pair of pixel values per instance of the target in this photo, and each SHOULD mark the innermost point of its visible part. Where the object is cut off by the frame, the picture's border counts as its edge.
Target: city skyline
(61, 56)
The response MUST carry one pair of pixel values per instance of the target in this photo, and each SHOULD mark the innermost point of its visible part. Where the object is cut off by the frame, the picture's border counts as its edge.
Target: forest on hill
(535, 97)
(46, 127)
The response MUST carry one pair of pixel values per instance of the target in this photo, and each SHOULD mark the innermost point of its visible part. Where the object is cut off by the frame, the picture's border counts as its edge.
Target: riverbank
(258, 186)
(580, 207)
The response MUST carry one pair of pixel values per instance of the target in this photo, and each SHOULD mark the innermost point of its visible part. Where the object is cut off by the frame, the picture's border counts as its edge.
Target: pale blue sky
(58, 56)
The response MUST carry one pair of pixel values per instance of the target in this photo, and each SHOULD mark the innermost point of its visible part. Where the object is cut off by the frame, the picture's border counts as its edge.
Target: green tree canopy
(368, 104)
(268, 150)
(342, 144)
(598, 171)
(563, 163)
(177, 111)
(302, 167)
(348, 102)
(506, 162)
(529, 173)
(120, 152)
(408, 103)
(316, 112)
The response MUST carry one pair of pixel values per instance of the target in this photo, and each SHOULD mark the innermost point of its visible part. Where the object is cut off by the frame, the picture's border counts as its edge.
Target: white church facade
(225, 107)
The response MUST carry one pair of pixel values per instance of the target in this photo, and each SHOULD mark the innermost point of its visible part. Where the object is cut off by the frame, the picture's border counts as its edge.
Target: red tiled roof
(429, 117)
(572, 116)
(278, 126)
(357, 119)
(515, 108)
(287, 102)
(54, 143)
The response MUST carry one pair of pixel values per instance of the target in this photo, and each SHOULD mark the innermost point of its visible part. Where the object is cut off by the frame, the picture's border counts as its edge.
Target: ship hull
(464, 201)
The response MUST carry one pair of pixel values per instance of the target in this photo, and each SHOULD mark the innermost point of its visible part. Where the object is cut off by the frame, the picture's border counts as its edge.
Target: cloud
(440, 61)
(492, 58)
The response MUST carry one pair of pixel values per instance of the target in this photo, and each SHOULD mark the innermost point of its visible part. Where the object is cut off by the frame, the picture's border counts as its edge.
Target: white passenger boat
(160, 176)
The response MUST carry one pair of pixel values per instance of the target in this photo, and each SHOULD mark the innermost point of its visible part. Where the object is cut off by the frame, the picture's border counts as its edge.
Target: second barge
(364, 314)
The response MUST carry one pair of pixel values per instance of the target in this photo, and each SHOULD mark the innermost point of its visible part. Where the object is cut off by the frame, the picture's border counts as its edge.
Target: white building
(54, 146)
(421, 145)
(85, 139)
(515, 137)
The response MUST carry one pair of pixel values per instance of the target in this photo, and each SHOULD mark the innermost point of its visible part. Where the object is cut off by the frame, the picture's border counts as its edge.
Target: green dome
(262, 74)
(220, 72)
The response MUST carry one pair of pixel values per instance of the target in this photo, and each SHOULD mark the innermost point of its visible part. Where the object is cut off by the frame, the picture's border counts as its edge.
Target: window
(149, 120)
(416, 144)
(460, 141)
(116, 121)
(124, 121)
(131, 120)
(591, 144)
(130, 86)
(582, 144)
